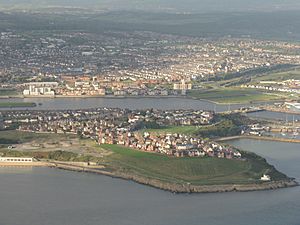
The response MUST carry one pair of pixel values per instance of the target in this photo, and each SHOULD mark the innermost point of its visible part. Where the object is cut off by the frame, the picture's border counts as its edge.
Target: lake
(35, 196)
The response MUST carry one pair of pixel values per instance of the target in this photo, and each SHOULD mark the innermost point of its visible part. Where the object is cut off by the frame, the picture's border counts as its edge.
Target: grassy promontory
(190, 170)
(186, 174)
(180, 175)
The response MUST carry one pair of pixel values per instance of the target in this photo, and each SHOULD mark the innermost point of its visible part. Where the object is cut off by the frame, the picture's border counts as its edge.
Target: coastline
(183, 188)
(155, 183)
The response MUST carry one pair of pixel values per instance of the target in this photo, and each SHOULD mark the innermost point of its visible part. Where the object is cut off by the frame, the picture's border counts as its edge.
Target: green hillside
(198, 171)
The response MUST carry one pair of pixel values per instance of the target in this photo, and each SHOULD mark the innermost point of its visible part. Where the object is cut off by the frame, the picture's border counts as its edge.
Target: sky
(162, 5)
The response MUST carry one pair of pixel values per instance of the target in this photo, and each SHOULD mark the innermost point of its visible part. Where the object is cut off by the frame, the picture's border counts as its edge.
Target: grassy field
(58, 155)
(198, 171)
(207, 131)
(225, 125)
(281, 76)
(8, 92)
(15, 137)
(16, 104)
(36, 143)
(189, 130)
(233, 95)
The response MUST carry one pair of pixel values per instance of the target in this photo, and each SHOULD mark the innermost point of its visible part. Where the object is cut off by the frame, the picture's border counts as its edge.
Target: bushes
(147, 125)
(7, 141)
(223, 129)
(56, 155)
(62, 156)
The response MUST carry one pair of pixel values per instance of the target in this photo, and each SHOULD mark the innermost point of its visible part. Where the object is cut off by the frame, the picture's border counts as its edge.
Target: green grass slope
(197, 171)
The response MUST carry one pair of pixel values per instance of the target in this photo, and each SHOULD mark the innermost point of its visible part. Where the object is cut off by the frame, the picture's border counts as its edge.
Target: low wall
(7, 164)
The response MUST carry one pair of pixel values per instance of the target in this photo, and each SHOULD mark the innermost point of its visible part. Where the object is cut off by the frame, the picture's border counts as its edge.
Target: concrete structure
(16, 160)
(37, 91)
(182, 86)
(39, 88)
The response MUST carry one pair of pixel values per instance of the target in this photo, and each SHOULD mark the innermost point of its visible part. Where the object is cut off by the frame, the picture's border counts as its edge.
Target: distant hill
(160, 5)
(281, 25)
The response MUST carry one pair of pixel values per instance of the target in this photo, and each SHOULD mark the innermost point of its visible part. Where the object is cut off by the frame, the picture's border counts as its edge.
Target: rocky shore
(183, 188)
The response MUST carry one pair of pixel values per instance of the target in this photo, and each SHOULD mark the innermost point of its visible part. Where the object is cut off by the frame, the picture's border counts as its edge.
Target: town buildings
(124, 127)
(39, 88)
(130, 63)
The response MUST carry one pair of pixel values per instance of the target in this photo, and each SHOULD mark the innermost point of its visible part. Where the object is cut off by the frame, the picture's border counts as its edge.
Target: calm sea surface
(44, 196)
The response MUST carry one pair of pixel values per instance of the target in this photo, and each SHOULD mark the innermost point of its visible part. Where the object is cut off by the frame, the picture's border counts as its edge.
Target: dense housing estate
(125, 127)
(129, 63)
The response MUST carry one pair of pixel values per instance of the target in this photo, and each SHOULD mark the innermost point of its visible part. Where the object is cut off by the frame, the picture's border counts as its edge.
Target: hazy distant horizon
(159, 5)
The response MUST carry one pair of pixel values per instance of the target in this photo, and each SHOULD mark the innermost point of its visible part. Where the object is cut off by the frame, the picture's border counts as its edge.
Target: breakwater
(264, 138)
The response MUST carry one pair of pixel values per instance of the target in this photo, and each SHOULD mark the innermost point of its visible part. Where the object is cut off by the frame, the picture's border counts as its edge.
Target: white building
(37, 91)
(182, 86)
(265, 178)
(16, 159)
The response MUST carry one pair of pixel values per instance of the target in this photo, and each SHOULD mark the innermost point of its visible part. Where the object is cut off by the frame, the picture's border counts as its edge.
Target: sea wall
(264, 138)
(32, 164)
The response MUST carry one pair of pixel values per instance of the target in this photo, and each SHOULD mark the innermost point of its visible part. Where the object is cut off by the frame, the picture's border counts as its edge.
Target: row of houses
(273, 88)
(177, 145)
(88, 122)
